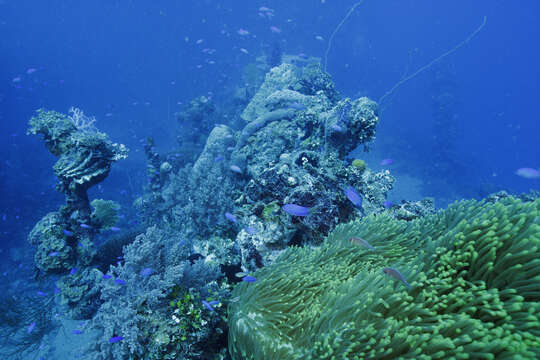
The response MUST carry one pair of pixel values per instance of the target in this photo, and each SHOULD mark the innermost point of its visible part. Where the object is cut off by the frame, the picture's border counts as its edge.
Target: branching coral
(475, 276)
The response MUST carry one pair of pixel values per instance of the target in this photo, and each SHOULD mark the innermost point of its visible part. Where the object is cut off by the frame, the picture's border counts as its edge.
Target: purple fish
(31, 327)
(115, 339)
(85, 226)
(73, 271)
(207, 305)
(396, 275)
(385, 162)
(528, 173)
(107, 276)
(231, 217)
(147, 272)
(53, 253)
(296, 210)
(68, 233)
(76, 332)
(248, 278)
(361, 242)
(353, 196)
(120, 281)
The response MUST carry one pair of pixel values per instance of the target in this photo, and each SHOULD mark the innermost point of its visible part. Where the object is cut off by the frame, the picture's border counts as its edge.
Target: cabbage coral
(474, 271)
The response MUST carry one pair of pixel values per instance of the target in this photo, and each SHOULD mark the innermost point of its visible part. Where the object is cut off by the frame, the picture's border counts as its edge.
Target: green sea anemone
(474, 271)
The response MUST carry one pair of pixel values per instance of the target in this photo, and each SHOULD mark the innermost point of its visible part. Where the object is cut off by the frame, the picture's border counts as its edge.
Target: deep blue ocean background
(133, 64)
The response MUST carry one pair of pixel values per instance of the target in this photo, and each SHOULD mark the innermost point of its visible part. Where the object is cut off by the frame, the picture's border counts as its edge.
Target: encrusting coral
(474, 271)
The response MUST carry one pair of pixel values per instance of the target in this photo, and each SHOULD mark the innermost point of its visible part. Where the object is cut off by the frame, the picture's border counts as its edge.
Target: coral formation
(475, 291)
(64, 238)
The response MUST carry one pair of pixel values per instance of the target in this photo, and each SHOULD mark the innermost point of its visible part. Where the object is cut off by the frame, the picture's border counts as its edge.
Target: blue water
(134, 64)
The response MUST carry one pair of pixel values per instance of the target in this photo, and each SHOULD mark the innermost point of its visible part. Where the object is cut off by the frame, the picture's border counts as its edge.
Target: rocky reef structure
(462, 283)
(64, 238)
(291, 149)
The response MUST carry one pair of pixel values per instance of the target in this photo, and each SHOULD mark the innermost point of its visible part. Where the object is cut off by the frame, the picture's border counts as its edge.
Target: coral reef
(137, 297)
(64, 238)
(460, 283)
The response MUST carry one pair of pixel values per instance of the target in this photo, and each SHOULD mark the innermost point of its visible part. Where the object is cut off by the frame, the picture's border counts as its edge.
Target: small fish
(296, 210)
(31, 71)
(115, 339)
(528, 173)
(73, 271)
(275, 29)
(248, 278)
(114, 228)
(243, 32)
(396, 275)
(107, 276)
(219, 158)
(68, 233)
(353, 196)
(250, 230)
(53, 253)
(16, 79)
(385, 162)
(31, 327)
(240, 274)
(236, 169)
(244, 51)
(85, 226)
(208, 305)
(120, 281)
(231, 217)
(76, 332)
(146, 272)
(388, 204)
(319, 37)
(362, 242)
(41, 293)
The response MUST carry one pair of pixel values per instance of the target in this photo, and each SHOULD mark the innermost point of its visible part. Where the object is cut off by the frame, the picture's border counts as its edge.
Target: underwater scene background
(269, 179)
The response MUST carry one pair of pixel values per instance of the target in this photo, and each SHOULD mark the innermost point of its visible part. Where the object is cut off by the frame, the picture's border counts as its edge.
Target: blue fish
(353, 196)
(114, 228)
(388, 204)
(85, 226)
(146, 272)
(296, 210)
(107, 276)
(208, 305)
(41, 293)
(248, 278)
(68, 233)
(115, 339)
(53, 253)
(31, 327)
(73, 271)
(76, 332)
(231, 217)
(120, 281)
